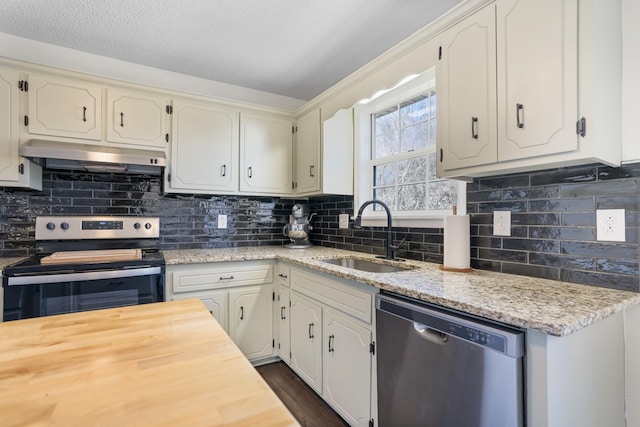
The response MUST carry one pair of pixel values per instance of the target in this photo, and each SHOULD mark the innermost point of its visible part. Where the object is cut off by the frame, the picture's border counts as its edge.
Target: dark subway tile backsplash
(553, 233)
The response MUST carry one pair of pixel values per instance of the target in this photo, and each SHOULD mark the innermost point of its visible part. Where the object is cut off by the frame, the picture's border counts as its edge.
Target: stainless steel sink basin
(366, 265)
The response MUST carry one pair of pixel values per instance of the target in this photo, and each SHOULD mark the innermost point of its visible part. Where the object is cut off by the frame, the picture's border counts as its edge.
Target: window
(396, 137)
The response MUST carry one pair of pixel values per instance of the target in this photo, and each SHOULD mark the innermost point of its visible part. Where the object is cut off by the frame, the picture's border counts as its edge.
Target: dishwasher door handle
(429, 334)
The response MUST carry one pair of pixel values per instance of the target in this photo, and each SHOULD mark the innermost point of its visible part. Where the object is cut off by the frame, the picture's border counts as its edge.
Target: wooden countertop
(164, 364)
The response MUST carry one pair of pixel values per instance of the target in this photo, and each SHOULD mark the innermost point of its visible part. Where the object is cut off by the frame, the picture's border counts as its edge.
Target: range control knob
(136, 226)
(147, 225)
(51, 226)
(64, 226)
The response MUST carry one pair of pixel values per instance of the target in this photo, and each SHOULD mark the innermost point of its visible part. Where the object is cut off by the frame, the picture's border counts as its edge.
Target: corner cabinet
(204, 149)
(307, 163)
(240, 295)
(520, 88)
(283, 312)
(266, 154)
(14, 170)
(332, 347)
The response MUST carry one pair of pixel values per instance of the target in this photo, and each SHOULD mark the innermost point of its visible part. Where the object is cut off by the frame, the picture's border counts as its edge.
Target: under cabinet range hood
(93, 158)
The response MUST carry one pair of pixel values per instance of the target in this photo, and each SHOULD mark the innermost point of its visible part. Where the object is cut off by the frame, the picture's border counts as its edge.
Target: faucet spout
(358, 222)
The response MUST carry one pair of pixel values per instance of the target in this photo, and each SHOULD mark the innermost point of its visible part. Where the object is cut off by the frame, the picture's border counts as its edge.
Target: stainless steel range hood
(93, 158)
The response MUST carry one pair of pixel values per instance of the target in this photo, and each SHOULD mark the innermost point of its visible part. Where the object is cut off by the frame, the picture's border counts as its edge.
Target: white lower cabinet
(283, 316)
(306, 340)
(240, 295)
(347, 367)
(251, 320)
(332, 342)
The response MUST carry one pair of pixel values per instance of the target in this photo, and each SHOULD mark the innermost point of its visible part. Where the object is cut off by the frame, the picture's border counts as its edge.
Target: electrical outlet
(502, 223)
(222, 221)
(610, 225)
(343, 221)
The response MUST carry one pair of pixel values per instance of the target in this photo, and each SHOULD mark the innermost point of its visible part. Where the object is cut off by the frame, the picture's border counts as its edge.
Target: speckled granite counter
(555, 308)
(8, 261)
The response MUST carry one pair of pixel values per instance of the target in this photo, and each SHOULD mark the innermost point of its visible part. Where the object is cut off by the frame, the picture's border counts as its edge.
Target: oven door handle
(84, 276)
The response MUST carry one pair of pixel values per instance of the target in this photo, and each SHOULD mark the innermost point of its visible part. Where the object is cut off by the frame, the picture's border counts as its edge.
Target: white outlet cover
(343, 221)
(610, 225)
(222, 221)
(502, 223)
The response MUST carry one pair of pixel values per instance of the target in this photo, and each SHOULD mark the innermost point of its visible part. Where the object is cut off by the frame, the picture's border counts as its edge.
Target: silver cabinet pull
(224, 170)
(474, 127)
(311, 331)
(331, 338)
(520, 112)
(311, 171)
(250, 171)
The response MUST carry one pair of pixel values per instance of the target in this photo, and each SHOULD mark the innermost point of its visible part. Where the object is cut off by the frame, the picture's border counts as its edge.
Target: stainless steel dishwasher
(438, 368)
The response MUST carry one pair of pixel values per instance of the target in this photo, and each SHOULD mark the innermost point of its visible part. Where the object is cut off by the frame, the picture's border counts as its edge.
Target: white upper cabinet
(14, 170)
(538, 68)
(307, 162)
(64, 108)
(556, 99)
(337, 153)
(266, 154)
(204, 148)
(139, 119)
(466, 94)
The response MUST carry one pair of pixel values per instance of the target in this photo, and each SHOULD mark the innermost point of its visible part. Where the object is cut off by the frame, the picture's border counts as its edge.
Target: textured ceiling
(295, 48)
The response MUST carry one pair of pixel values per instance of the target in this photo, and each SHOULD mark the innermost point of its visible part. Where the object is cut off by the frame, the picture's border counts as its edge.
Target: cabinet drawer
(341, 296)
(223, 276)
(283, 274)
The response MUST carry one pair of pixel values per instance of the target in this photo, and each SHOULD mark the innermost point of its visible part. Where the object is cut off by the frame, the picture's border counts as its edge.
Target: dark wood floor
(308, 408)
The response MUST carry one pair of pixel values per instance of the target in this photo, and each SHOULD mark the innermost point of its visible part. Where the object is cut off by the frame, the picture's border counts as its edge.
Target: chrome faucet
(358, 224)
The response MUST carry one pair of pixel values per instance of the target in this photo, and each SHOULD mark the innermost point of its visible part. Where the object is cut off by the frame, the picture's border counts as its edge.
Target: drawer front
(343, 297)
(283, 274)
(223, 276)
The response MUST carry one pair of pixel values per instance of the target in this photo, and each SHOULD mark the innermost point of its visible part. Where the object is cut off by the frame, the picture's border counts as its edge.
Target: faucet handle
(396, 247)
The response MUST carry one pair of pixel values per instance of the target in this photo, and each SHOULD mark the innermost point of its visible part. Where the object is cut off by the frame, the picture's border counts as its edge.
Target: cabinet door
(308, 153)
(284, 321)
(337, 153)
(306, 340)
(347, 368)
(251, 320)
(136, 119)
(9, 125)
(266, 145)
(204, 148)
(537, 61)
(215, 301)
(466, 98)
(67, 108)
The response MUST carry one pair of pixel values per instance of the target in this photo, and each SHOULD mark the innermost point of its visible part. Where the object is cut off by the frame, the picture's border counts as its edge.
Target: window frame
(409, 88)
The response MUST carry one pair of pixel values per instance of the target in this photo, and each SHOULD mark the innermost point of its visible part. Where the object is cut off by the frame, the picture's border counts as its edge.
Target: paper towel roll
(456, 242)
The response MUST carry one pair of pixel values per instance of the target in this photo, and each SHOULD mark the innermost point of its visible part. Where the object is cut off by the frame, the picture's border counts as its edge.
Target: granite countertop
(8, 261)
(553, 307)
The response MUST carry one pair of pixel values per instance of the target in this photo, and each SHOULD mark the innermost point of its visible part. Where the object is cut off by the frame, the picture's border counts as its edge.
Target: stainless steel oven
(86, 263)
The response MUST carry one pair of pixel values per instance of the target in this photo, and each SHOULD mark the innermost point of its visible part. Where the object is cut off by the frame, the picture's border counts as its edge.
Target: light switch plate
(502, 223)
(343, 221)
(222, 221)
(610, 225)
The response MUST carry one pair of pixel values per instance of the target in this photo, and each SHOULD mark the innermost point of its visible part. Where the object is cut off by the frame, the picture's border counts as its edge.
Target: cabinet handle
(226, 278)
(311, 171)
(121, 119)
(282, 311)
(474, 127)
(84, 114)
(224, 170)
(250, 170)
(311, 331)
(211, 312)
(331, 349)
(284, 276)
(520, 111)
(241, 313)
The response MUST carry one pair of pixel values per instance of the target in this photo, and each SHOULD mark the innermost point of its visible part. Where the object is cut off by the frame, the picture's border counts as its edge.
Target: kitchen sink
(366, 265)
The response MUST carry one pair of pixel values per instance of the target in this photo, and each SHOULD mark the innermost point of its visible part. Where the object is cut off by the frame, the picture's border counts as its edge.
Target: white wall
(26, 50)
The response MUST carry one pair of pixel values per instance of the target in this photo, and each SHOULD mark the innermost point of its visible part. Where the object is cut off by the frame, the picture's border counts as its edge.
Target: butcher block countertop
(165, 364)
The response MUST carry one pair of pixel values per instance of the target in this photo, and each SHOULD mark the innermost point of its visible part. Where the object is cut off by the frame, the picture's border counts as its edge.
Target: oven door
(49, 294)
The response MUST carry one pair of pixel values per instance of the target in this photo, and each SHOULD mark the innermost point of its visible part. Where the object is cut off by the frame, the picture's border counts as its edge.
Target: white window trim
(362, 156)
